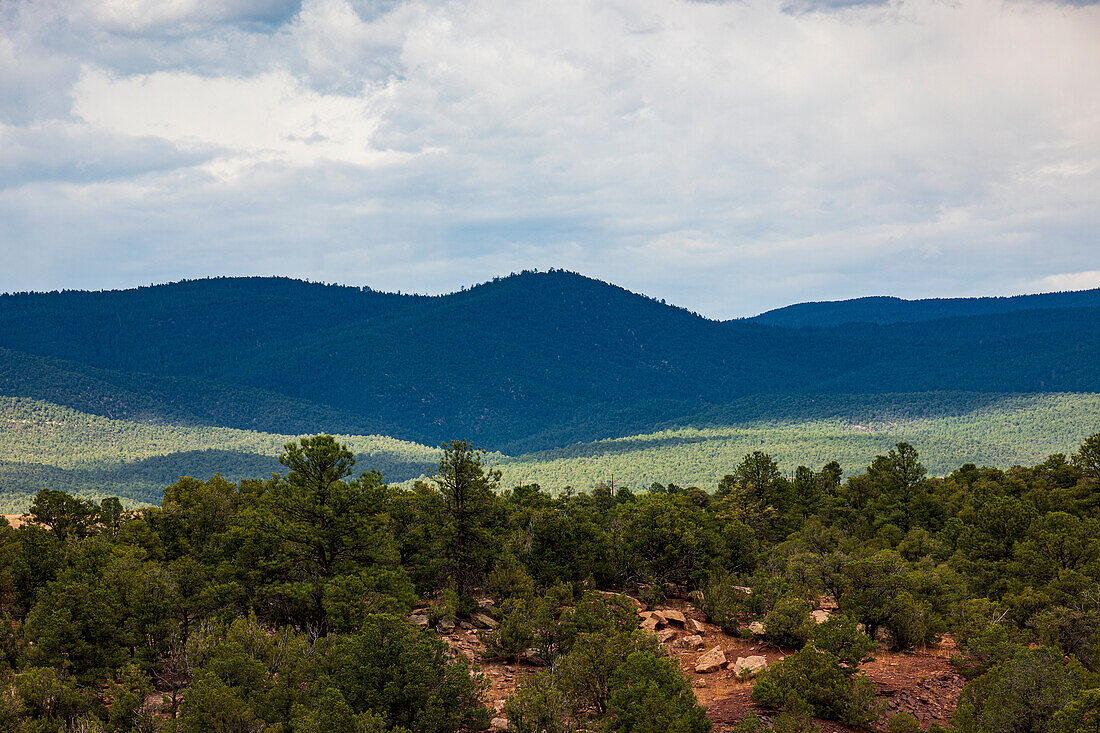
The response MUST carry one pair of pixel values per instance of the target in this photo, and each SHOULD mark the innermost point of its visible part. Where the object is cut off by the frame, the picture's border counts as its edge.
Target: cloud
(730, 156)
(77, 154)
(1067, 281)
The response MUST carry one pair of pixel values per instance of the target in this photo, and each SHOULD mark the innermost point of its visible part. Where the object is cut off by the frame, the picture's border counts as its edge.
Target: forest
(94, 456)
(530, 362)
(321, 598)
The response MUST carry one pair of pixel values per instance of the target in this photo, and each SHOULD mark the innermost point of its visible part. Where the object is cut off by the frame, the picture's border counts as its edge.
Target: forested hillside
(48, 446)
(323, 600)
(884, 309)
(528, 362)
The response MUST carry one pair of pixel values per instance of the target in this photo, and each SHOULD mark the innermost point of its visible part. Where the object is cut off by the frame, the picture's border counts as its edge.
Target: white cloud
(727, 156)
(1067, 281)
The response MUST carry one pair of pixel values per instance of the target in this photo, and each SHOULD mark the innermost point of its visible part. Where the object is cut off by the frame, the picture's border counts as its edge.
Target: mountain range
(531, 361)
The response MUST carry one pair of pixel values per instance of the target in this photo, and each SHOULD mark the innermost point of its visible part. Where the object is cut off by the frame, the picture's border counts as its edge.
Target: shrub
(538, 706)
(516, 632)
(811, 682)
(904, 722)
(1081, 714)
(985, 638)
(721, 603)
(908, 623)
(1022, 694)
(649, 694)
(841, 636)
(789, 623)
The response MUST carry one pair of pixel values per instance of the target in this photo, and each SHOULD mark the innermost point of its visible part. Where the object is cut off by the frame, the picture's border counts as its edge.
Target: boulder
(820, 616)
(666, 635)
(530, 656)
(711, 661)
(694, 642)
(445, 626)
(694, 627)
(749, 666)
(651, 621)
(675, 618)
(632, 601)
(484, 621)
(499, 724)
(757, 628)
(418, 619)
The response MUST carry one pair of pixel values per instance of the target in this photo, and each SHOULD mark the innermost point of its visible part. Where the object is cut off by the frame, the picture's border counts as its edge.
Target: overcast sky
(729, 157)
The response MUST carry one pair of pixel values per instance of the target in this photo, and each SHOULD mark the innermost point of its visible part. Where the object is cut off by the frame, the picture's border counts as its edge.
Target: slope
(884, 309)
(532, 361)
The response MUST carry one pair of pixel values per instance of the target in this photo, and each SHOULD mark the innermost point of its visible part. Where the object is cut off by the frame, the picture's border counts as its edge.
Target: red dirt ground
(922, 683)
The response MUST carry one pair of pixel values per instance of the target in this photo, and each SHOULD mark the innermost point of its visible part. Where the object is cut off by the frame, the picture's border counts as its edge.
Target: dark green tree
(471, 505)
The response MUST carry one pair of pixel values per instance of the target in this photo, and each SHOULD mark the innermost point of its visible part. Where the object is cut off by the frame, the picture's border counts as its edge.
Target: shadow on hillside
(144, 481)
(618, 446)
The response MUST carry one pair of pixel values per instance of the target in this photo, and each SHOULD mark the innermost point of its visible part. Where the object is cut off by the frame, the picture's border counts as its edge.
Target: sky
(729, 157)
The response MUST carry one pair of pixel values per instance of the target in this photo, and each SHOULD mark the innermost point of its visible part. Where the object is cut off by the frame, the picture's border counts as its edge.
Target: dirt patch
(922, 683)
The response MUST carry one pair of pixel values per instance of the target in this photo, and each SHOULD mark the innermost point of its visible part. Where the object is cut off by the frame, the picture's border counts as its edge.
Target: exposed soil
(922, 683)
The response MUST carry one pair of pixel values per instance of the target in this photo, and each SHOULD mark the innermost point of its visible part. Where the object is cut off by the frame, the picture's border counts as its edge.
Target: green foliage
(722, 603)
(1021, 694)
(789, 622)
(904, 722)
(812, 682)
(471, 508)
(649, 694)
(841, 636)
(1080, 715)
(538, 706)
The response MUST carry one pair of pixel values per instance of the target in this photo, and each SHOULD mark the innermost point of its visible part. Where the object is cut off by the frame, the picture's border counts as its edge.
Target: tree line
(283, 604)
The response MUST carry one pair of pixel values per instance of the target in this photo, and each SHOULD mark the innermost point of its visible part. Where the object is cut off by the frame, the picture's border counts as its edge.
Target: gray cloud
(729, 157)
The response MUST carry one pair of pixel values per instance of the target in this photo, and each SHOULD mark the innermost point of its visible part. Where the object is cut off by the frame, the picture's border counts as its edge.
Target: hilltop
(527, 362)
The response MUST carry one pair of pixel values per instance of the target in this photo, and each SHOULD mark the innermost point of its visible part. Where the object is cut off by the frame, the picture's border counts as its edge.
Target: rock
(445, 626)
(694, 627)
(418, 619)
(672, 590)
(692, 642)
(675, 618)
(711, 661)
(666, 635)
(820, 616)
(757, 628)
(483, 621)
(464, 624)
(530, 656)
(499, 724)
(749, 666)
(632, 601)
(651, 622)
(699, 682)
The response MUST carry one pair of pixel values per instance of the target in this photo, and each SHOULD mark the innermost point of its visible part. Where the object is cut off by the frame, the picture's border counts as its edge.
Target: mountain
(883, 309)
(531, 361)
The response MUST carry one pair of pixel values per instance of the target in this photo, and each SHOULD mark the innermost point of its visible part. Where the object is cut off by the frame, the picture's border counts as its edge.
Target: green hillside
(48, 446)
(991, 430)
(534, 361)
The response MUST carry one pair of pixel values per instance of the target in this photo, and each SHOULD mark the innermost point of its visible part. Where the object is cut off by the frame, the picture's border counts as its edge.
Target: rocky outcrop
(711, 661)
(694, 642)
(749, 666)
